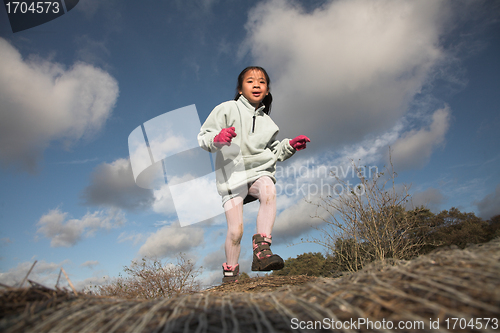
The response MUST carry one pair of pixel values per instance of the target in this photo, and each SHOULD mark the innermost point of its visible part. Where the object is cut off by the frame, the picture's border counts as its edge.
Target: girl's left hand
(299, 142)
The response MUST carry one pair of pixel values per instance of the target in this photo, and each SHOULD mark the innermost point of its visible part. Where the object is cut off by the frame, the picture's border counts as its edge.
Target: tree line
(445, 229)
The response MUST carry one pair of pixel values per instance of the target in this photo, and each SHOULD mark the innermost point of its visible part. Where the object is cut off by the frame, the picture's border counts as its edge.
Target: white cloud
(170, 241)
(91, 284)
(42, 102)
(489, 206)
(92, 51)
(348, 68)
(5, 241)
(214, 260)
(64, 232)
(415, 147)
(212, 264)
(133, 237)
(166, 142)
(200, 193)
(297, 220)
(90, 264)
(112, 184)
(431, 198)
(163, 203)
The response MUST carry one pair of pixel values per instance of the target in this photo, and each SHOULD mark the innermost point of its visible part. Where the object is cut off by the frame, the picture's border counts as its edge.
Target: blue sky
(355, 76)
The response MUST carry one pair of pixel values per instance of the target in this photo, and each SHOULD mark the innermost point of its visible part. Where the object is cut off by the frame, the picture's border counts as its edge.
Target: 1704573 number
(474, 323)
(39, 7)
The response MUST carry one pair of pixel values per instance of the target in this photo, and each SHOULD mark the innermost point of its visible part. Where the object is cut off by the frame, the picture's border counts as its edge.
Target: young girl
(245, 126)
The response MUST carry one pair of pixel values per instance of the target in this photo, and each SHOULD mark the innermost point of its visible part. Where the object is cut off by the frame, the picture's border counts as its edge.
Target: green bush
(452, 227)
(312, 264)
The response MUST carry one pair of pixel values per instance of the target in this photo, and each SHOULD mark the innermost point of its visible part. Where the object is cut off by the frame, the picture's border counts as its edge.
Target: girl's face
(254, 87)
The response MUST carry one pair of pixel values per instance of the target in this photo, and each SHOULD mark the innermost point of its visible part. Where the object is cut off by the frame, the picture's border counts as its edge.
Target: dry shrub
(368, 221)
(151, 278)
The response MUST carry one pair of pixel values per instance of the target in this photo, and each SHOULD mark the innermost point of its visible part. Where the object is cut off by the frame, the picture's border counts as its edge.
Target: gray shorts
(240, 192)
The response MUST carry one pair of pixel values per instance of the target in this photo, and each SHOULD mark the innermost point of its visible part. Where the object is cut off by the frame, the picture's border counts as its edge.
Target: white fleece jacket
(254, 151)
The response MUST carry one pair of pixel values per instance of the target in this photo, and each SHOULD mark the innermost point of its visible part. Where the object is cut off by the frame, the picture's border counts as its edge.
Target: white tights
(264, 190)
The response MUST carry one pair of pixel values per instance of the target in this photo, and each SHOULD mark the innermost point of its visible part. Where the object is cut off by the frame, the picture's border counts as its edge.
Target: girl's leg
(263, 258)
(264, 190)
(234, 217)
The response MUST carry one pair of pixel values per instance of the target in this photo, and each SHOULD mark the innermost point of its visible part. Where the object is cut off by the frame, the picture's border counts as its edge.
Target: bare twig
(69, 281)
(29, 272)
(58, 278)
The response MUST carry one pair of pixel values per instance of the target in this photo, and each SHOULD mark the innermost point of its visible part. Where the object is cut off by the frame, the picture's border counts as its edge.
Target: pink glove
(224, 137)
(299, 142)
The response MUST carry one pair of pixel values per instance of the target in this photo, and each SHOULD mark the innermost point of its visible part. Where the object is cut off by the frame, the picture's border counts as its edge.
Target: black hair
(268, 100)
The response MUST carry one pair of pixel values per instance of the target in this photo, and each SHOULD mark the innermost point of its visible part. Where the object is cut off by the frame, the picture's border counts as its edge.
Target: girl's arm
(281, 149)
(286, 148)
(216, 121)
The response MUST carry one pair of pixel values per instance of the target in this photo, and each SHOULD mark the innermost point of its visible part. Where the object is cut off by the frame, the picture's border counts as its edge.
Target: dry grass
(443, 284)
(262, 284)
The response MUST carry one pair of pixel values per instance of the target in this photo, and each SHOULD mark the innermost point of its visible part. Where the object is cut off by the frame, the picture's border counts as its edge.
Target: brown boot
(263, 258)
(230, 273)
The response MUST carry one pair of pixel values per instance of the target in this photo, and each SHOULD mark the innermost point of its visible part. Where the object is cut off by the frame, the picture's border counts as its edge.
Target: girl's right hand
(224, 137)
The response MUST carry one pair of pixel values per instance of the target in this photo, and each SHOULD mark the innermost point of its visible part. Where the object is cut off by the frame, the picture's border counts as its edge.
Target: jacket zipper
(253, 125)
